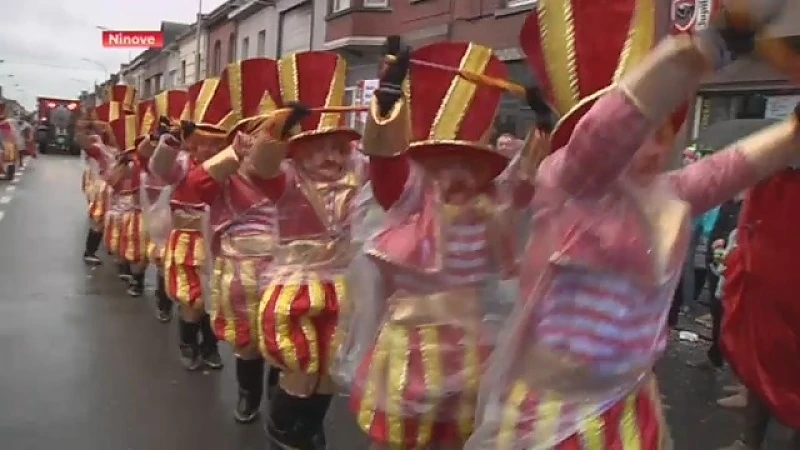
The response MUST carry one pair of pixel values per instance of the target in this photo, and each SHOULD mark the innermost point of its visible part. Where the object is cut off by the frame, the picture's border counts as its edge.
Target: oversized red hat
(124, 130)
(146, 120)
(123, 94)
(579, 50)
(255, 89)
(316, 79)
(209, 106)
(170, 104)
(450, 113)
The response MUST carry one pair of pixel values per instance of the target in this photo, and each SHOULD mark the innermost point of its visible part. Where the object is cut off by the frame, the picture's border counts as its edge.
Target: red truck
(56, 125)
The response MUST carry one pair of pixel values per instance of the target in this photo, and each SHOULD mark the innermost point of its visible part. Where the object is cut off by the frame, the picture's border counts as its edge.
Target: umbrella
(723, 134)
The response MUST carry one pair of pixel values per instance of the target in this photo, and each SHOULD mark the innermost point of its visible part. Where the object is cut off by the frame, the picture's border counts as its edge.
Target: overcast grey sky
(45, 44)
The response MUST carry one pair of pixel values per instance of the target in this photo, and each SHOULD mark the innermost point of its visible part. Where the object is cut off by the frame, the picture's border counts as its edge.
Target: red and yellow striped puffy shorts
(184, 267)
(419, 385)
(133, 241)
(112, 231)
(634, 423)
(235, 297)
(297, 318)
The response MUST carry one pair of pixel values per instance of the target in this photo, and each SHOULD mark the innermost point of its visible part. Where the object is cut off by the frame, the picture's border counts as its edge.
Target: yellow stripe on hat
(557, 28)
(641, 38)
(457, 101)
(335, 96)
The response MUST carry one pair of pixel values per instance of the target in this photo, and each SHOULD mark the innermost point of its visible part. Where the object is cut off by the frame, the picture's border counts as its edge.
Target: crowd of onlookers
(703, 281)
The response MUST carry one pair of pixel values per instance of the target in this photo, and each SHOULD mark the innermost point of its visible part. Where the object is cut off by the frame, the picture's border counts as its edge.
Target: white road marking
(2, 214)
(11, 188)
(5, 199)
(15, 180)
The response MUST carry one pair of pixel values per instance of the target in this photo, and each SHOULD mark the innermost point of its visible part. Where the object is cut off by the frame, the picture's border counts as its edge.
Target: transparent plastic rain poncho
(244, 242)
(307, 286)
(596, 287)
(155, 195)
(426, 314)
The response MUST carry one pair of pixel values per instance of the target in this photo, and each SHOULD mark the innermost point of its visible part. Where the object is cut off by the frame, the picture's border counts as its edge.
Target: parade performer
(10, 141)
(27, 136)
(121, 101)
(243, 221)
(155, 193)
(95, 138)
(760, 337)
(209, 116)
(133, 241)
(416, 348)
(313, 191)
(574, 368)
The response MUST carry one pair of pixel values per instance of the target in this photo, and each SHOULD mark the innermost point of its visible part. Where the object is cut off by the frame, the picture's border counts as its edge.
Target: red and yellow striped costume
(298, 316)
(418, 385)
(133, 240)
(300, 305)
(185, 264)
(112, 229)
(634, 423)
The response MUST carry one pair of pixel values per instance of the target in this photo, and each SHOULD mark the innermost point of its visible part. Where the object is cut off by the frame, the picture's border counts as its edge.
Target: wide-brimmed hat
(574, 66)
(449, 114)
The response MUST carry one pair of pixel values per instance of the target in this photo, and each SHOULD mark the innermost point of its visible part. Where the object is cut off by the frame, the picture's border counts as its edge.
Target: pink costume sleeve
(602, 145)
(172, 173)
(714, 179)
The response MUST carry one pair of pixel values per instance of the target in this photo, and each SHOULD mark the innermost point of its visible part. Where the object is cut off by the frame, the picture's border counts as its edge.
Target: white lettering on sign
(121, 39)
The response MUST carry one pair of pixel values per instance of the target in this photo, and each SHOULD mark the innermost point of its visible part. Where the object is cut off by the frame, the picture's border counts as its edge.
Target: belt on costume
(454, 305)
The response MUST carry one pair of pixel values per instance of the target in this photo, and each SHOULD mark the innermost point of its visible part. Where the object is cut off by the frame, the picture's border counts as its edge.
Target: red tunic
(761, 324)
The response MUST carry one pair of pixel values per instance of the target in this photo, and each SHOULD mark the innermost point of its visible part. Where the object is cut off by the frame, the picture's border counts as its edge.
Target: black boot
(208, 347)
(124, 272)
(273, 376)
(163, 302)
(190, 349)
(93, 240)
(136, 285)
(297, 422)
(250, 376)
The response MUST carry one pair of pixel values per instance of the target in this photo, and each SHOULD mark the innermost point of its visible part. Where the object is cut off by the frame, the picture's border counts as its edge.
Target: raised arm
(164, 161)
(386, 138)
(207, 179)
(263, 163)
(719, 177)
(387, 133)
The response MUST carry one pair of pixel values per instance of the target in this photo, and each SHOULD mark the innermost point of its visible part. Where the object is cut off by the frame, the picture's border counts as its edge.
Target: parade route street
(85, 367)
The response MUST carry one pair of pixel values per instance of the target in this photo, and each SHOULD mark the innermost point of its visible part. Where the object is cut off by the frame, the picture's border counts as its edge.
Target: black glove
(394, 73)
(535, 99)
(162, 128)
(546, 121)
(186, 129)
(297, 114)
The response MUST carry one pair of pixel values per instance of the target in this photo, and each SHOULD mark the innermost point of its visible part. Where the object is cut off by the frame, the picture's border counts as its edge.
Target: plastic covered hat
(255, 90)
(146, 120)
(123, 94)
(450, 114)
(209, 107)
(123, 128)
(316, 79)
(575, 66)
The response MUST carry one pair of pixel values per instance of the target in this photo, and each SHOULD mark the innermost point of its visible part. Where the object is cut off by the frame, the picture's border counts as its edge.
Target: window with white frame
(376, 3)
(516, 3)
(350, 100)
(341, 5)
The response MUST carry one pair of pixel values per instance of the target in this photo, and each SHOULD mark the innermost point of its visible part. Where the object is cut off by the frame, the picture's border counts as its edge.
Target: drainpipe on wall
(197, 37)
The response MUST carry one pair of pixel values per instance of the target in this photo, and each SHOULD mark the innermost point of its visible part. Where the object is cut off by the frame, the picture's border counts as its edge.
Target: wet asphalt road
(84, 367)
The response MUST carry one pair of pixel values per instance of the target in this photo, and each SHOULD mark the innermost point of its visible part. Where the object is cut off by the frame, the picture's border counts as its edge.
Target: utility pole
(198, 35)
